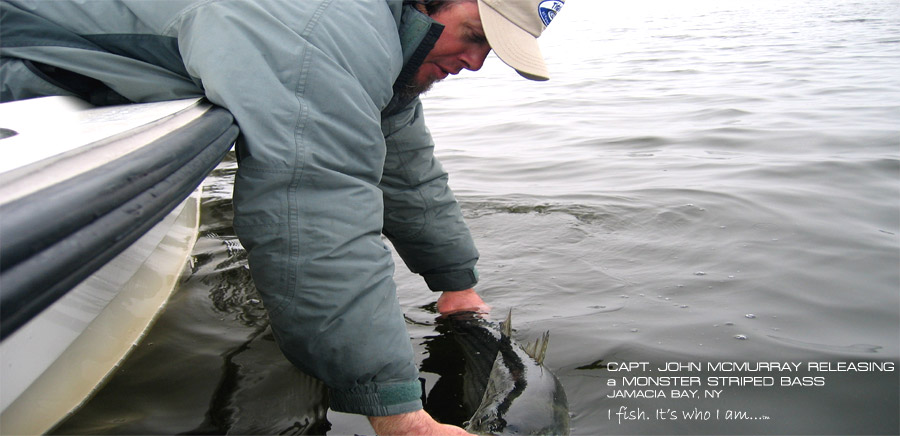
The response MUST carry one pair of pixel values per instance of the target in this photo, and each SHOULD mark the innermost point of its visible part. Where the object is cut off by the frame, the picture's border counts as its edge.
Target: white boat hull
(55, 362)
(99, 209)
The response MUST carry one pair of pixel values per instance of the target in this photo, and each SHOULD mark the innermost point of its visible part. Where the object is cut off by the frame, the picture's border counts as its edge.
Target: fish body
(501, 387)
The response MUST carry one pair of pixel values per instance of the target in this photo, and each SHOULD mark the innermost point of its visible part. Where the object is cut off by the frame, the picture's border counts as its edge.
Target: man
(333, 150)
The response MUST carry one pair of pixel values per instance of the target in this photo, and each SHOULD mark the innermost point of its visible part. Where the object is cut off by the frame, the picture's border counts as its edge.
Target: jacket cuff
(452, 281)
(378, 399)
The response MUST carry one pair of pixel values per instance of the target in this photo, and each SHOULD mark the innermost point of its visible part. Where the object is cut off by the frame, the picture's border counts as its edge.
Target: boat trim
(62, 247)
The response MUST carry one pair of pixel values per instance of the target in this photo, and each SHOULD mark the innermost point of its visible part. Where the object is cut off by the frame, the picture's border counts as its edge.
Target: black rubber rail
(56, 237)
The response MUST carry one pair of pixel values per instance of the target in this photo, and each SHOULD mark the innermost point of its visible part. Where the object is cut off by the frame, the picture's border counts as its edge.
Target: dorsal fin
(538, 349)
(506, 326)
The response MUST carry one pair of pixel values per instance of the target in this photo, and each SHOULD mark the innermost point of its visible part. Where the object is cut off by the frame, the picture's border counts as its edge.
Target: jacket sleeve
(422, 217)
(307, 203)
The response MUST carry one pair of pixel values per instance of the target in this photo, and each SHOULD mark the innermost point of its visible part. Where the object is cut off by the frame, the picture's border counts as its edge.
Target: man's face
(462, 45)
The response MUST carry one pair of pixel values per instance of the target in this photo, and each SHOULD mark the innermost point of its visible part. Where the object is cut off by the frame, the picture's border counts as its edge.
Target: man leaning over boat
(333, 150)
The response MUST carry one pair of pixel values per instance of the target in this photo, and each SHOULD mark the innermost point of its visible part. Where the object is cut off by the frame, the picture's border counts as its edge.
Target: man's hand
(461, 301)
(418, 423)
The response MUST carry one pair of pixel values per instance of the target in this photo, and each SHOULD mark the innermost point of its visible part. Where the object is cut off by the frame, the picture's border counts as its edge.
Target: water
(699, 183)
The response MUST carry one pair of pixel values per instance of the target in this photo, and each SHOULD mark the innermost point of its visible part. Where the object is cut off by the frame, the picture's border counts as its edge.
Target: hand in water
(418, 423)
(461, 301)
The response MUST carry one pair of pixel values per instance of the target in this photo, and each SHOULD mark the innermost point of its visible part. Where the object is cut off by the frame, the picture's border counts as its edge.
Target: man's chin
(419, 87)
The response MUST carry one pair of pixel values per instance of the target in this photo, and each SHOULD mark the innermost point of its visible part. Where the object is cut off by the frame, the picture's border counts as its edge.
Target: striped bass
(491, 385)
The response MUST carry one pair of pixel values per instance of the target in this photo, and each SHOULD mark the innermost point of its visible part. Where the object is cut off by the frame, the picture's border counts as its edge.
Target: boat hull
(99, 209)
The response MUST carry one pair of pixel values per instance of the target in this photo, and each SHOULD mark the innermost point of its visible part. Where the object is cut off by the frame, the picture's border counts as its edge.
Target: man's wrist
(461, 301)
(413, 424)
(404, 423)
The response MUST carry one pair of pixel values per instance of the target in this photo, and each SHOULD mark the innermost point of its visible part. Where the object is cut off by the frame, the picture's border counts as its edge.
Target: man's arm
(306, 94)
(422, 217)
(425, 224)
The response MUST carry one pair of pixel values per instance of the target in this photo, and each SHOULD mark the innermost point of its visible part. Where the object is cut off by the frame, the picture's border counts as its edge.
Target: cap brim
(514, 46)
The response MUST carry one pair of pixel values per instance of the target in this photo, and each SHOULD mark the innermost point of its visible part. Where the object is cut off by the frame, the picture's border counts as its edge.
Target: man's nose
(474, 57)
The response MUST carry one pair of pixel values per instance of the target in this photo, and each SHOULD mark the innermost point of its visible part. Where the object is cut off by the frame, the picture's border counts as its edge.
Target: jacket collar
(418, 34)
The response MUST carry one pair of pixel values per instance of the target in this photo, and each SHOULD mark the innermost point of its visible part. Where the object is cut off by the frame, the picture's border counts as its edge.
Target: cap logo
(548, 10)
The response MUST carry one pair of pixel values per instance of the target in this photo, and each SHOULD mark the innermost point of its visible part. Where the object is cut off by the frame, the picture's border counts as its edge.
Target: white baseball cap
(512, 28)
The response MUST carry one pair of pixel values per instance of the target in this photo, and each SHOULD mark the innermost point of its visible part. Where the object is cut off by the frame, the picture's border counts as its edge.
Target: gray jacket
(328, 162)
